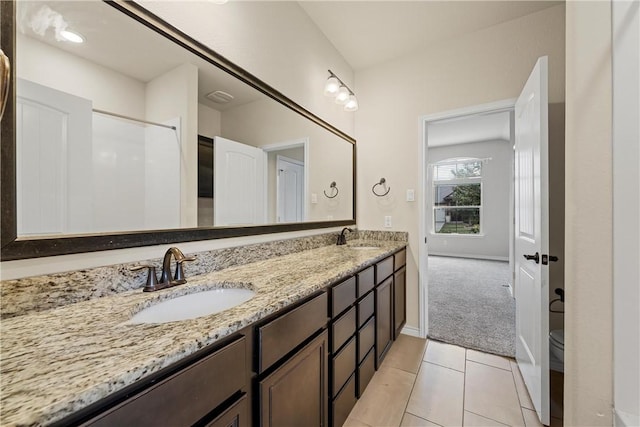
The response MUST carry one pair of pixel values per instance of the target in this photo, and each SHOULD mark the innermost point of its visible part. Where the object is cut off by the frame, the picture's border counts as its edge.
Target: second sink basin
(362, 248)
(193, 305)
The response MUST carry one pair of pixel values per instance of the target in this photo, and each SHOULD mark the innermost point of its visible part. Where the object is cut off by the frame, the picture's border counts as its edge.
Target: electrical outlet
(387, 221)
(411, 195)
(314, 198)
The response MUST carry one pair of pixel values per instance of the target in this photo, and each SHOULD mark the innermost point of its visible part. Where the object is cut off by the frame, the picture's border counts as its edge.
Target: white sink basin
(193, 305)
(363, 248)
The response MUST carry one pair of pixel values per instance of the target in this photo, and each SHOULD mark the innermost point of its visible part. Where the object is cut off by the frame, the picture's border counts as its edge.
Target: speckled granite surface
(58, 361)
(33, 294)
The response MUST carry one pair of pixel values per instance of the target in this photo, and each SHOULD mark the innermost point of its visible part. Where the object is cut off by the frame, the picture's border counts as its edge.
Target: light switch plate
(314, 198)
(411, 195)
(387, 221)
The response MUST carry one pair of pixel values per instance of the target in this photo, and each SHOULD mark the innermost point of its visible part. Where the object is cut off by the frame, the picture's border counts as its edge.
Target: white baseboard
(411, 331)
(624, 419)
(487, 257)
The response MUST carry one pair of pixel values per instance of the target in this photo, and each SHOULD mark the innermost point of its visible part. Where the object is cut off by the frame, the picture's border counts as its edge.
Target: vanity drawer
(366, 281)
(342, 296)
(366, 338)
(399, 260)
(344, 364)
(344, 402)
(384, 269)
(171, 401)
(366, 369)
(365, 308)
(280, 336)
(343, 329)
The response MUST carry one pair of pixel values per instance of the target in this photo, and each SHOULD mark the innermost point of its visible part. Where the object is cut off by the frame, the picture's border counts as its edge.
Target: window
(457, 196)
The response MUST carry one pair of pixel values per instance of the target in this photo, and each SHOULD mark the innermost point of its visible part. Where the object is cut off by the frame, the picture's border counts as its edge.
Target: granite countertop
(56, 362)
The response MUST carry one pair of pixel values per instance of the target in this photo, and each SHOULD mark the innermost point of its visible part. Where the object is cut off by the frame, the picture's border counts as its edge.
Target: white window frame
(457, 181)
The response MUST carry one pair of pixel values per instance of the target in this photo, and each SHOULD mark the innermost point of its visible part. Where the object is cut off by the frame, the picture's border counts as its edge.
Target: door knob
(535, 257)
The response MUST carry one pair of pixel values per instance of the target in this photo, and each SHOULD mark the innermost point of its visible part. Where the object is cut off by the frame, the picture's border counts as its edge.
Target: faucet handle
(179, 276)
(152, 278)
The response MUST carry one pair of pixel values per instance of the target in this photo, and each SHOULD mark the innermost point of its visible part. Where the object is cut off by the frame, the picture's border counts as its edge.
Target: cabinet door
(296, 394)
(235, 416)
(399, 300)
(384, 319)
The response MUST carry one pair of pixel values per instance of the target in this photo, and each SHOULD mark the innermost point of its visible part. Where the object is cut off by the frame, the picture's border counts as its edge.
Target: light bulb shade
(331, 87)
(342, 96)
(352, 104)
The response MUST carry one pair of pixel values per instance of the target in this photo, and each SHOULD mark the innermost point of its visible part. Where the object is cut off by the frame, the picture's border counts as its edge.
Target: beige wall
(486, 66)
(274, 40)
(175, 94)
(108, 90)
(588, 232)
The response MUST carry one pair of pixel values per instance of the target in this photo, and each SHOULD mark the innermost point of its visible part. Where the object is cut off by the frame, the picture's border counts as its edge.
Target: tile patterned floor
(428, 383)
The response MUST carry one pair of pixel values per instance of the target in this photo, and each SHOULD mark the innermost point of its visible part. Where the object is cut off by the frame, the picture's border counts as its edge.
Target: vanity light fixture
(341, 92)
(71, 36)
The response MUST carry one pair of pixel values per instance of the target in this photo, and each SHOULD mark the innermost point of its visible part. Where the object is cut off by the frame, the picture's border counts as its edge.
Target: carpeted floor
(470, 304)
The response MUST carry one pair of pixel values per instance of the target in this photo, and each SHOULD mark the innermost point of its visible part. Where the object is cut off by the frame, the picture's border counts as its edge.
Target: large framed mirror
(131, 133)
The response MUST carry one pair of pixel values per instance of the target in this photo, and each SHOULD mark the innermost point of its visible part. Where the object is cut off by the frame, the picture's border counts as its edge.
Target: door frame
(299, 142)
(492, 107)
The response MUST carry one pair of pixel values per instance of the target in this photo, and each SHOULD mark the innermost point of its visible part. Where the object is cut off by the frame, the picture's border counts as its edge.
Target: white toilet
(556, 349)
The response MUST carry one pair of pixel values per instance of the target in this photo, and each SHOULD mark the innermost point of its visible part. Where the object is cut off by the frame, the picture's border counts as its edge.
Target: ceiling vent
(220, 97)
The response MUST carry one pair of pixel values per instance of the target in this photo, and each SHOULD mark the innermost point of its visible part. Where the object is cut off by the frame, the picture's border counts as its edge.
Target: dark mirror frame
(14, 248)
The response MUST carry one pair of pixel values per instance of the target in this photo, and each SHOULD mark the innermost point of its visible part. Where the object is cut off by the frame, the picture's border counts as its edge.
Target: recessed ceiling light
(71, 36)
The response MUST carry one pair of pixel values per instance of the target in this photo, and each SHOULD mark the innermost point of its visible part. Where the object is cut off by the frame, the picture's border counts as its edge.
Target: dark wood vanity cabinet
(305, 365)
(211, 390)
(399, 291)
(399, 300)
(384, 319)
(391, 304)
(295, 394)
(292, 365)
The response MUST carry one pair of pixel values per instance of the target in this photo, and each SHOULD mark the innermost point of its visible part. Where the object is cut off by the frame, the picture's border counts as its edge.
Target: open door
(238, 184)
(532, 237)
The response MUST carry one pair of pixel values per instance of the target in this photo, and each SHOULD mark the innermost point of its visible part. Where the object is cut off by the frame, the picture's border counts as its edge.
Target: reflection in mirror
(127, 131)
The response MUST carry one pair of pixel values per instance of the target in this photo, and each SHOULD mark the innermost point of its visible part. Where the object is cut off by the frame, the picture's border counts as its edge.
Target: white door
(290, 189)
(532, 238)
(53, 161)
(238, 184)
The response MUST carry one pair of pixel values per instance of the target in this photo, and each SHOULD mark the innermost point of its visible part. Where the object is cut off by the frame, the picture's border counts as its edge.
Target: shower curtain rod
(95, 110)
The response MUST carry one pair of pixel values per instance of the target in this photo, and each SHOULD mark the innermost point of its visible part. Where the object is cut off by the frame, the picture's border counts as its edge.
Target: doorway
(468, 224)
(287, 180)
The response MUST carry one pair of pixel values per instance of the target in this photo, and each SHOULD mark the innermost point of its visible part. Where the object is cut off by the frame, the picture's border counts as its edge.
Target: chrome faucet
(342, 239)
(166, 281)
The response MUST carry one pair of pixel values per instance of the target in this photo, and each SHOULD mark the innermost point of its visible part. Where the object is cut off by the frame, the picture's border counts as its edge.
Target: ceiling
(367, 33)
(474, 128)
(105, 29)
